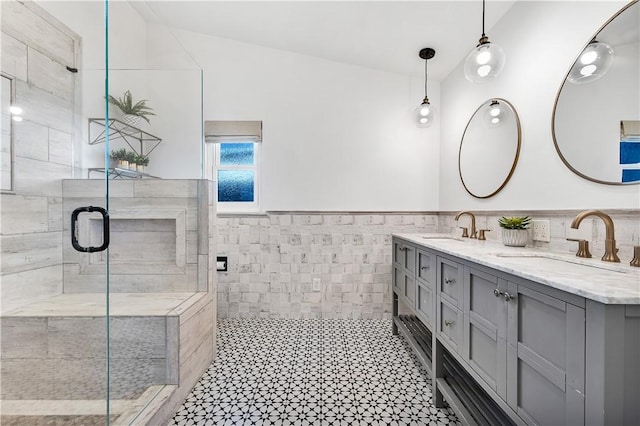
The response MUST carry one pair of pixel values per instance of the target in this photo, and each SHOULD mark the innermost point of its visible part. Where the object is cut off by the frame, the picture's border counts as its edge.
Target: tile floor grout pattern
(312, 372)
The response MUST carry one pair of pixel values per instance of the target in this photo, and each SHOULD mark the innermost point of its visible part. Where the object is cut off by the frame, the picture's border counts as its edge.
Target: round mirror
(489, 149)
(596, 118)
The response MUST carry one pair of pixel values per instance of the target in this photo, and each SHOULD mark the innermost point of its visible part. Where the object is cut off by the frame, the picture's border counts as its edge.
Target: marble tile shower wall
(34, 48)
(310, 265)
(275, 258)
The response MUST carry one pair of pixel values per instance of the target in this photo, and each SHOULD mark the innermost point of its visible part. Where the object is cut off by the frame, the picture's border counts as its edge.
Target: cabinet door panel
(425, 304)
(545, 358)
(410, 289)
(485, 316)
(398, 281)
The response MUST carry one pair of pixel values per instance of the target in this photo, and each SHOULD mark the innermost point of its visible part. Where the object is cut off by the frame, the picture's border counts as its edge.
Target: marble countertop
(610, 283)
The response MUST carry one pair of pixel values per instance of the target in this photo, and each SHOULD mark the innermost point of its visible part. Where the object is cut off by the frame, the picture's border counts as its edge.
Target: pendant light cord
(483, 35)
(425, 77)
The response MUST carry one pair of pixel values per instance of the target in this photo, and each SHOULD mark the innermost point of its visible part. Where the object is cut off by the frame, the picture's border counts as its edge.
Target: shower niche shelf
(141, 142)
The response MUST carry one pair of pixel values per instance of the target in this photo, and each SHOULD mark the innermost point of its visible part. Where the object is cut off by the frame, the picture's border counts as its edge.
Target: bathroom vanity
(515, 335)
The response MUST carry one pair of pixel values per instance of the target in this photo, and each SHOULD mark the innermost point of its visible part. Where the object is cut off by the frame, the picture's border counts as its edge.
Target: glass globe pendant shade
(425, 114)
(494, 114)
(594, 62)
(485, 62)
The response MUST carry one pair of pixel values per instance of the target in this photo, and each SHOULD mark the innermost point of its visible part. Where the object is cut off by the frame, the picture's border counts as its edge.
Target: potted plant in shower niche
(132, 112)
(514, 230)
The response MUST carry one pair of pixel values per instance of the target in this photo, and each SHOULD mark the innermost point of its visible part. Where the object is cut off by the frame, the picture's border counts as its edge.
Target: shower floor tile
(312, 372)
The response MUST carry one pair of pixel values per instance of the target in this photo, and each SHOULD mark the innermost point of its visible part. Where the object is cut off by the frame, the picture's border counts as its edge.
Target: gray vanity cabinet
(404, 265)
(545, 355)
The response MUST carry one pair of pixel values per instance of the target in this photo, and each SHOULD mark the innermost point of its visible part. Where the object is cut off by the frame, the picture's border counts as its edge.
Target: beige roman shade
(232, 131)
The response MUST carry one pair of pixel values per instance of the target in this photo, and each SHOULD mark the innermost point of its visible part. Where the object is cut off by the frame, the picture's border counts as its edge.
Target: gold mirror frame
(555, 106)
(516, 156)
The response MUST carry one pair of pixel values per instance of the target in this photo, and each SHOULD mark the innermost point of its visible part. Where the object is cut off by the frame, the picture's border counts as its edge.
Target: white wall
(541, 40)
(336, 136)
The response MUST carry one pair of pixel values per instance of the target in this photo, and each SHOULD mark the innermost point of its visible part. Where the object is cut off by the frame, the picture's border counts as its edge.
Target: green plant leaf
(514, 222)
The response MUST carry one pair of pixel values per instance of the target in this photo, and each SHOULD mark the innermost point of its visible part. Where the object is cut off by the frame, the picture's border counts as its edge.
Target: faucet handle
(481, 236)
(636, 256)
(583, 247)
(465, 231)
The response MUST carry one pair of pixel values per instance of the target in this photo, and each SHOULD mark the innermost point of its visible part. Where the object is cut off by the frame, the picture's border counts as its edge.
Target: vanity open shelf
(506, 343)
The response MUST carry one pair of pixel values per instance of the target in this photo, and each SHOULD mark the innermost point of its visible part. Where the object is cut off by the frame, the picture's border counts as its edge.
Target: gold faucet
(610, 251)
(474, 234)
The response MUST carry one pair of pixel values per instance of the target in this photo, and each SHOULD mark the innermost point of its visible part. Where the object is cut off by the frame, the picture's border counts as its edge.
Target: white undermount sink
(550, 259)
(441, 238)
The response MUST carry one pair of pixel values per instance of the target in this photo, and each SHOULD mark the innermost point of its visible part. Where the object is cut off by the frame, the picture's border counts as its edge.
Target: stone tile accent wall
(275, 258)
(301, 265)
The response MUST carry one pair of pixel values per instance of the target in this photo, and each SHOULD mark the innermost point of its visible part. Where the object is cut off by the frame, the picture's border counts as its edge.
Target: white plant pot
(141, 168)
(122, 164)
(132, 120)
(515, 237)
(133, 166)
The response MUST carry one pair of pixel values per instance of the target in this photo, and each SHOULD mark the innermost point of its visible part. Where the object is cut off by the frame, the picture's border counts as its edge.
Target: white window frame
(213, 160)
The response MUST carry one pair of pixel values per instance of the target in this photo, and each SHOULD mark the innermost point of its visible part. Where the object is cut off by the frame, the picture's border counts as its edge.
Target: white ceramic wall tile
(44, 108)
(14, 56)
(23, 252)
(31, 140)
(34, 30)
(33, 177)
(23, 288)
(23, 214)
(49, 75)
(60, 147)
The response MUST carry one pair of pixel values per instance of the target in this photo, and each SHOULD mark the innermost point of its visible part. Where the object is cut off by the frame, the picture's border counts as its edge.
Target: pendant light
(494, 114)
(425, 113)
(486, 61)
(594, 62)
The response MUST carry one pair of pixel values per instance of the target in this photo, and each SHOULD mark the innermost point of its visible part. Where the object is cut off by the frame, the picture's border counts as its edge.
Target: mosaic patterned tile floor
(312, 372)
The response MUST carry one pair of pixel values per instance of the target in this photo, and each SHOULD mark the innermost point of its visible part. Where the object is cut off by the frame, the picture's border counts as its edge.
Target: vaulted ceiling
(383, 35)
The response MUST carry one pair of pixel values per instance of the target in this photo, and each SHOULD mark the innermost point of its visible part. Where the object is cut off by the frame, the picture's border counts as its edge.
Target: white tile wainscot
(549, 338)
(275, 258)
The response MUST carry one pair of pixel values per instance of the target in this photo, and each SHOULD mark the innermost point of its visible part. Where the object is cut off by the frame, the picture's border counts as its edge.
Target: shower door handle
(105, 229)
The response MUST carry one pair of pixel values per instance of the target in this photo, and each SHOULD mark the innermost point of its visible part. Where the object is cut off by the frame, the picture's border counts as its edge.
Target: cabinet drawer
(426, 267)
(450, 281)
(425, 304)
(450, 325)
(405, 256)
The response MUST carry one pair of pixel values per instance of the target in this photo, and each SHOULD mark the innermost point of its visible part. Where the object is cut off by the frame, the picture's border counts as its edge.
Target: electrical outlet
(315, 286)
(541, 230)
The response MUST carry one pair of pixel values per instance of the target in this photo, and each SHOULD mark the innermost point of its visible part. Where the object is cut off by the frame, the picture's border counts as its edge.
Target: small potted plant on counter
(514, 230)
(132, 112)
(120, 158)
